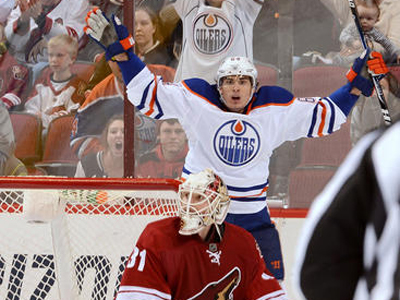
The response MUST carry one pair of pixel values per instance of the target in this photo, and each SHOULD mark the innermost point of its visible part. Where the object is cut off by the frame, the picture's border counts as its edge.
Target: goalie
(232, 128)
(197, 255)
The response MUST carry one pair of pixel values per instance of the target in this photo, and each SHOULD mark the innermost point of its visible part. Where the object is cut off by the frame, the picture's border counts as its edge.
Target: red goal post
(66, 238)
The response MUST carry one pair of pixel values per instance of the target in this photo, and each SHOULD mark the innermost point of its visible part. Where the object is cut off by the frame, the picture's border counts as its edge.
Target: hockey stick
(375, 80)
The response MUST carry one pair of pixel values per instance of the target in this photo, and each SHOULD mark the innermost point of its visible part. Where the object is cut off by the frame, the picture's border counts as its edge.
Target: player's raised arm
(115, 39)
(359, 80)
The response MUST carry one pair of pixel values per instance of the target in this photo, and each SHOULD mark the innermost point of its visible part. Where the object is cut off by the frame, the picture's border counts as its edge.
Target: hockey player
(350, 243)
(212, 31)
(197, 255)
(230, 127)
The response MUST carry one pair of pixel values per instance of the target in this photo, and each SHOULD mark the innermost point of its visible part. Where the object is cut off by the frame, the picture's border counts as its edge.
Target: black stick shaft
(375, 80)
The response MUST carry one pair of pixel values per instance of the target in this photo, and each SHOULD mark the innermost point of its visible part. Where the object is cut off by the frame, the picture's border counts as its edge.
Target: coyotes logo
(222, 289)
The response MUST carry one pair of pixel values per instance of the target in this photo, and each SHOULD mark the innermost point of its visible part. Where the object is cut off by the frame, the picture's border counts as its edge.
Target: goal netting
(69, 239)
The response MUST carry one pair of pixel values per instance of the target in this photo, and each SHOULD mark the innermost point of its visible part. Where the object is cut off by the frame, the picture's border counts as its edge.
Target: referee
(350, 246)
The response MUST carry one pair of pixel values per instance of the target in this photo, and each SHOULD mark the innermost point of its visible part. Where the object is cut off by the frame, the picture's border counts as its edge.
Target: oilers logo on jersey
(212, 34)
(236, 142)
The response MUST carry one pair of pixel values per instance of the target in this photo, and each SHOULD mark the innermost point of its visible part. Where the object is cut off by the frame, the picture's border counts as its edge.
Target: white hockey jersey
(210, 34)
(51, 99)
(68, 17)
(238, 146)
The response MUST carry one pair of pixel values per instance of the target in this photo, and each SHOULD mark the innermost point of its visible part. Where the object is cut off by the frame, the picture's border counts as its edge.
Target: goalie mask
(203, 201)
(237, 66)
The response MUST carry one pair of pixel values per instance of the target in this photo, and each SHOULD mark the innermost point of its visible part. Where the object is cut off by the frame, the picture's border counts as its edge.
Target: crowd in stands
(49, 68)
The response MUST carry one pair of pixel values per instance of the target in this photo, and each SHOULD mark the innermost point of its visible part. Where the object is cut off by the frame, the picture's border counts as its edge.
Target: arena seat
(58, 158)
(321, 80)
(320, 158)
(327, 150)
(306, 183)
(267, 74)
(28, 136)
(395, 70)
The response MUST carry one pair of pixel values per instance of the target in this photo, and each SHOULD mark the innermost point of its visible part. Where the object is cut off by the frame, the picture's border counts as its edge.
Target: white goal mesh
(69, 238)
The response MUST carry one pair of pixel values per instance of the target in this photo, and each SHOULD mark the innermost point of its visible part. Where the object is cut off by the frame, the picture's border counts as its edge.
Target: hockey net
(70, 238)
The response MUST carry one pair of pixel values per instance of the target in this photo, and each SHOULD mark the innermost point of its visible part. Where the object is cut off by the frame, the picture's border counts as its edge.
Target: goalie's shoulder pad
(272, 95)
(203, 89)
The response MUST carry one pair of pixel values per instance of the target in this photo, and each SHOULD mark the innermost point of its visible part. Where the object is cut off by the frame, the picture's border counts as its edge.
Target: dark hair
(169, 121)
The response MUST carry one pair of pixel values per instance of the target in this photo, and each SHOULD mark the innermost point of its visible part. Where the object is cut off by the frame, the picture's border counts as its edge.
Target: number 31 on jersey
(137, 255)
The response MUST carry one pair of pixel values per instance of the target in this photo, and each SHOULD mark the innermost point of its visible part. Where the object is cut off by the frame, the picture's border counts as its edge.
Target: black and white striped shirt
(350, 245)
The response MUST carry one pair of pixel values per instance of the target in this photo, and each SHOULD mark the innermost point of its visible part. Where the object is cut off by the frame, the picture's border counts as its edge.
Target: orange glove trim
(351, 75)
(127, 43)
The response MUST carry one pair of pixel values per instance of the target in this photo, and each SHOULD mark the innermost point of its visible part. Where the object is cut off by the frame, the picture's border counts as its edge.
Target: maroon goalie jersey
(167, 265)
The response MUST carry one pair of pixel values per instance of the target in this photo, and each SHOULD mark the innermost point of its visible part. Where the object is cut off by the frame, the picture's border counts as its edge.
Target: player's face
(115, 138)
(236, 91)
(59, 58)
(172, 138)
(368, 17)
(196, 201)
(144, 28)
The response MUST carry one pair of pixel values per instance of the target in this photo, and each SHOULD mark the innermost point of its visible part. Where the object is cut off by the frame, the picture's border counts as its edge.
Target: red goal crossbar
(88, 183)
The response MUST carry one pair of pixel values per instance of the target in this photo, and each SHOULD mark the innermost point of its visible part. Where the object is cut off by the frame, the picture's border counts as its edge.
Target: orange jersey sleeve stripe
(153, 98)
(323, 118)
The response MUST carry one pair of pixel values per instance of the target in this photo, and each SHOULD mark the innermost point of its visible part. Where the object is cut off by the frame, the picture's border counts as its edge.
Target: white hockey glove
(358, 74)
(112, 36)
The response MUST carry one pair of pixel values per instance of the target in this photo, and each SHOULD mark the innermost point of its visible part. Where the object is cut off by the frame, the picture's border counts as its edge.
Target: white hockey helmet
(237, 65)
(203, 201)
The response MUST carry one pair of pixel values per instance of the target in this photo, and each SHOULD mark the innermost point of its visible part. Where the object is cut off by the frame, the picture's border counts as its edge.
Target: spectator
(6, 7)
(368, 12)
(350, 243)
(104, 101)
(212, 31)
(33, 23)
(61, 92)
(9, 164)
(110, 161)
(366, 115)
(13, 75)
(167, 159)
(389, 18)
(148, 46)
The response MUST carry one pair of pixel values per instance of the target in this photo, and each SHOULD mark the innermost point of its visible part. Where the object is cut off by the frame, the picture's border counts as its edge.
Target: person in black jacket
(108, 162)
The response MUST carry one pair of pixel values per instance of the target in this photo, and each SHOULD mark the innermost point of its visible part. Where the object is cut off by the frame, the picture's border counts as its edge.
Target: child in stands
(61, 92)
